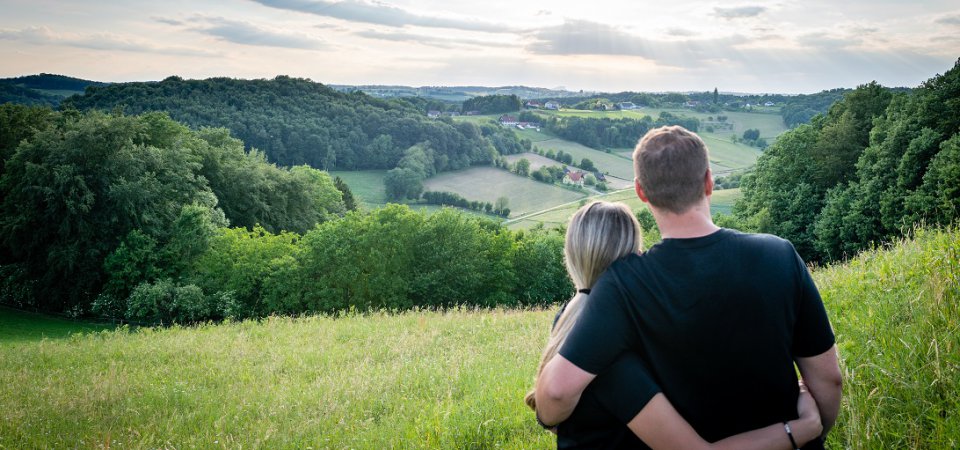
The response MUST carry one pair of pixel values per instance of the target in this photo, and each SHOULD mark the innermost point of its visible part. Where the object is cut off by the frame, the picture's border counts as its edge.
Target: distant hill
(454, 93)
(298, 121)
(43, 89)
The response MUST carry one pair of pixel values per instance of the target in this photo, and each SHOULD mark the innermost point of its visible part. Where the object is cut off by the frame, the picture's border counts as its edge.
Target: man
(720, 317)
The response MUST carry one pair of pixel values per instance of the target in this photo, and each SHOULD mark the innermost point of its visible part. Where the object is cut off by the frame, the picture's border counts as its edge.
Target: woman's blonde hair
(598, 234)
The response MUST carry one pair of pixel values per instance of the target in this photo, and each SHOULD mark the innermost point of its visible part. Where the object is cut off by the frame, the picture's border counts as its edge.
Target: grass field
(721, 202)
(536, 161)
(769, 123)
(487, 184)
(366, 186)
(443, 379)
(18, 326)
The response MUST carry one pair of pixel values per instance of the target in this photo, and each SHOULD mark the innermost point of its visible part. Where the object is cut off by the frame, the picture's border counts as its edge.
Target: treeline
(391, 258)
(875, 165)
(94, 204)
(443, 198)
(296, 121)
(492, 104)
(606, 132)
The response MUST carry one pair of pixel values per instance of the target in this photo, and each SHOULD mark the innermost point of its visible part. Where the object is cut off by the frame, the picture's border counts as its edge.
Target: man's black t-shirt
(718, 319)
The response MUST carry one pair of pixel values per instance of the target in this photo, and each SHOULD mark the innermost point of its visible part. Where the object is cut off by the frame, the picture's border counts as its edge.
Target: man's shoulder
(760, 241)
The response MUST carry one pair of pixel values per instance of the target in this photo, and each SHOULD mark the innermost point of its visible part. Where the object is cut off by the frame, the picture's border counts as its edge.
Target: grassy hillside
(487, 184)
(446, 380)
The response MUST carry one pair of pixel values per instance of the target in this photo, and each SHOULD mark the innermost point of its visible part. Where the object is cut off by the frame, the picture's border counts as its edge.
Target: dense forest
(296, 121)
(878, 163)
(492, 104)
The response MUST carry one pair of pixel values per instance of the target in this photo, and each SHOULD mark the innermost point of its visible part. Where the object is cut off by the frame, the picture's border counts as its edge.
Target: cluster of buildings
(511, 121)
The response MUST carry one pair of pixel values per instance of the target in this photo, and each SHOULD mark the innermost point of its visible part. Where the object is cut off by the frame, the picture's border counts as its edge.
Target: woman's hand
(808, 427)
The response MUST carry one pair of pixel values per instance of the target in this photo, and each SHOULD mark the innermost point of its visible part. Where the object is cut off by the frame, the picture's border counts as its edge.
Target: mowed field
(721, 202)
(488, 183)
(536, 161)
(367, 188)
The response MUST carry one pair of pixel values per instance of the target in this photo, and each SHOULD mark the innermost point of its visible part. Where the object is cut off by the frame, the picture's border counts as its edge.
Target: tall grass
(413, 380)
(451, 379)
(895, 312)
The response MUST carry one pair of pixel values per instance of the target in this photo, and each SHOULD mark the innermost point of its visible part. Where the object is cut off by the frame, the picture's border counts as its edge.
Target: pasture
(453, 379)
(488, 183)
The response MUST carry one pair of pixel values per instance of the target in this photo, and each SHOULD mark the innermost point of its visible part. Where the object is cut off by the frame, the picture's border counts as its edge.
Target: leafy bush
(166, 302)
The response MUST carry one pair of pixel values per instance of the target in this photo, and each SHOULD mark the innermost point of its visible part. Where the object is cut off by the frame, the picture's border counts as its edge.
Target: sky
(682, 45)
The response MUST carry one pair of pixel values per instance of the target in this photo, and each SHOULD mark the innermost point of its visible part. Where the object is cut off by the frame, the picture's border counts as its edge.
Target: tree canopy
(876, 164)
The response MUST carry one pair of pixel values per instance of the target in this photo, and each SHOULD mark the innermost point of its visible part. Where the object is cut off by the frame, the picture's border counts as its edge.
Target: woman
(607, 415)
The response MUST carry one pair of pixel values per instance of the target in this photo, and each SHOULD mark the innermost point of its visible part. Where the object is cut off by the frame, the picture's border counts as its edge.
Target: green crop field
(451, 379)
(487, 184)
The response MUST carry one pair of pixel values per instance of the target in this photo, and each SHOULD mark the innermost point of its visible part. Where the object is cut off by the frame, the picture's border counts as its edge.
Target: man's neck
(694, 223)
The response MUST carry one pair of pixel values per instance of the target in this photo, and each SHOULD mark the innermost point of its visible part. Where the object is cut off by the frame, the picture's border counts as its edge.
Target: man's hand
(558, 389)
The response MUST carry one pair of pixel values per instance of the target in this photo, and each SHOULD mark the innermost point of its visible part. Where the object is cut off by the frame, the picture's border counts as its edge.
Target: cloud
(590, 38)
(683, 32)
(826, 41)
(951, 19)
(434, 41)
(246, 33)
(98, 41)
(380, 14)
(738, 12)
(168, 21)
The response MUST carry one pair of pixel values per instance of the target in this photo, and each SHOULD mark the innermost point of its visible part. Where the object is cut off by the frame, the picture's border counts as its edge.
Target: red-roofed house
(575, 178)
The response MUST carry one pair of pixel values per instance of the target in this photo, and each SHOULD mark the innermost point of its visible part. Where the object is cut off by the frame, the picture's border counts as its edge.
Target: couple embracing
(693, 343)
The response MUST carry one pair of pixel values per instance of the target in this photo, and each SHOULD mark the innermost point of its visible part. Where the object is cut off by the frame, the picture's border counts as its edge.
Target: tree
(403, 183)
(716, 97)
(587, 165)
(501, 204)
(523, 167)
(348, 201)
(751, 134)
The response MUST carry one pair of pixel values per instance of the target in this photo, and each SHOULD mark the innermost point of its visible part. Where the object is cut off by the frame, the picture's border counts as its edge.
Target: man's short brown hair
(671, 165)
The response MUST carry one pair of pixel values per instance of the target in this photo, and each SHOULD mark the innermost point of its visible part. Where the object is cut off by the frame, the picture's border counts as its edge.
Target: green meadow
(488, 183)
(453, 379)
